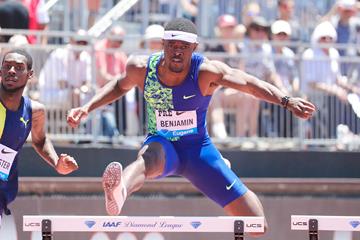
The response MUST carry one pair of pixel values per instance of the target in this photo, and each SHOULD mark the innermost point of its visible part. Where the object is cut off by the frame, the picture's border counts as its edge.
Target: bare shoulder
(214, 67)
(37, 108)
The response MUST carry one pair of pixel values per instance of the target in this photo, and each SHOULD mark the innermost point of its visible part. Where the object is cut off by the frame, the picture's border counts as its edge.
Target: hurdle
(49, 224)
(314, 224)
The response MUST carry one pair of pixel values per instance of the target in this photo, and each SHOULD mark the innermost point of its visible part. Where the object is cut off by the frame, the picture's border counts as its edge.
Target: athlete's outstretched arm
(220, 74)
(64, 164)
(113, 90)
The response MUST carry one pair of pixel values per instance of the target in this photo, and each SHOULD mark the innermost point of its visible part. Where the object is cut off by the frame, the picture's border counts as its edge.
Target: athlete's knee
(154, 159)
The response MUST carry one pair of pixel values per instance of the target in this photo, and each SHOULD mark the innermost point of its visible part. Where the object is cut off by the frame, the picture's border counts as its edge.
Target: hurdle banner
(48, 224)
(313, 224)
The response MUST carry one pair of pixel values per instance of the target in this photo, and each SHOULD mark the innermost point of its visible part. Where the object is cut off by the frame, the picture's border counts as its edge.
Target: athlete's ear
(195, 46)
(30, 74)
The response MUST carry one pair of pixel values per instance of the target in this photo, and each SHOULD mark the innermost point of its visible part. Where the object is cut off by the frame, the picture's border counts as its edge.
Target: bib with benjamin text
(176, 123)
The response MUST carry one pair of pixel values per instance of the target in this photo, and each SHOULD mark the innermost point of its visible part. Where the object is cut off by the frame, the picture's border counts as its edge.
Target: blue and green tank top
(179, 112)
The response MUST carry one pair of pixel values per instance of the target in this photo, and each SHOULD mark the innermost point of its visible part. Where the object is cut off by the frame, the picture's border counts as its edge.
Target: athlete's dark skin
(14, 77)
(173, 69)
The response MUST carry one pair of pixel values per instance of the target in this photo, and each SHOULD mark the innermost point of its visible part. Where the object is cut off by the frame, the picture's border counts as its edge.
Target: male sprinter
(177, 85)
(18, 116)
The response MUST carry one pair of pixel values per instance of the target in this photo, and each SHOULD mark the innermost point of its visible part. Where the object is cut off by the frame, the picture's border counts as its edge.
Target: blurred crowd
(319, 62)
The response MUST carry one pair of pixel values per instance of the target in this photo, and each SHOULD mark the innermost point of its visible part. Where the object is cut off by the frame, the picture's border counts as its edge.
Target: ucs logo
(32, 224)
(354, 224)
(195, 224)
(299, 223)
(90, 224)
(253, 225)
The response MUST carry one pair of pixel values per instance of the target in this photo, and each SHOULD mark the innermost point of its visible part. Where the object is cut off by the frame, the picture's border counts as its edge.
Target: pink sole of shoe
(111, 179)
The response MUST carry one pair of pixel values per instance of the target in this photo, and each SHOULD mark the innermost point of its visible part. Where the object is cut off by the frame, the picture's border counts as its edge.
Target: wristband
(285, 101)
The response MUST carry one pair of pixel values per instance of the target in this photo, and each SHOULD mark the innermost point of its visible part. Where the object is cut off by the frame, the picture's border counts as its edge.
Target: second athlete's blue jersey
(15, 127)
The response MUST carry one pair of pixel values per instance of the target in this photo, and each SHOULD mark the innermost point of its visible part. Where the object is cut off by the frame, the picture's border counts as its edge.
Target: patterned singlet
(177, 121)
(177, 113)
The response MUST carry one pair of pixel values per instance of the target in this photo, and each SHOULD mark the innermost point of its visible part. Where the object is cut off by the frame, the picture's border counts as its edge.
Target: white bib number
(7, 156)
(176, 123)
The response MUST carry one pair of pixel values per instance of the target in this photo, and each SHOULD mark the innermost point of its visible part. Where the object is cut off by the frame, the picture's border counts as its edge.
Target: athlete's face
(177, 54)
(14, 72)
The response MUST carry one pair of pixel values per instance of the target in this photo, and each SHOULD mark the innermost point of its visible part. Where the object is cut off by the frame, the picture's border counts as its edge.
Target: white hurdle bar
(313, 224)
(49, 224)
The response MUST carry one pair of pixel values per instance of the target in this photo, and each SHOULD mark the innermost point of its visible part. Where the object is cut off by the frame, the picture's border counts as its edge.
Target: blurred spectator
(111, 64)
(320, 66)
(18, 40)
(190, 9)
(239, 32)
(258, 55)
(249, 12)
(284, 56)
(258, 61)
(153, 38)
(343, 16)
(66, 76)
(286, 13)
(93, 8)
(320, 80)
(224, 32)
(13, 15)
(284, 60)
(38, 19)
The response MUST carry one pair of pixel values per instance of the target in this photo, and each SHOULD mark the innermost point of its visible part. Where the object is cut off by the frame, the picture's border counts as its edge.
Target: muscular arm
(64, 164)
(134, 76)
(215, 73)
(220, 74)
(40, 141)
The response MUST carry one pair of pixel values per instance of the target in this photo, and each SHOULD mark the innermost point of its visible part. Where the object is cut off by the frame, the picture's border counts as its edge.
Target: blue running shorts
(202, 164)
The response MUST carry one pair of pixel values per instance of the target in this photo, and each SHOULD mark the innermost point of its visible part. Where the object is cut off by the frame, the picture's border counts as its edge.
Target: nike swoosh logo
(228, 187)
(187, 97)
(179, 113)
(173, 35)
(4, 151)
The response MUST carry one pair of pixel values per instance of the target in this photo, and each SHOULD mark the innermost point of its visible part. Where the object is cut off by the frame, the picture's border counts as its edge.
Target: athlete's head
(16, 69)
(180, 41)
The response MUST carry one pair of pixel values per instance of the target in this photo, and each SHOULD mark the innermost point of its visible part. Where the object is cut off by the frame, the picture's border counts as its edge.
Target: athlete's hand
(75, 116)
(301, 108)
(66, 164)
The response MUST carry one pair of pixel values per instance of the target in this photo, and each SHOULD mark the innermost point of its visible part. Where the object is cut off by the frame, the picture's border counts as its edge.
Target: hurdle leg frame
(313, 229)
(314, 224)
(238, 230)
(46, 232)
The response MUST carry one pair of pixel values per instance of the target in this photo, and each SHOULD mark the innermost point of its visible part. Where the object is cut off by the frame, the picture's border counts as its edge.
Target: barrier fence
(67, 76)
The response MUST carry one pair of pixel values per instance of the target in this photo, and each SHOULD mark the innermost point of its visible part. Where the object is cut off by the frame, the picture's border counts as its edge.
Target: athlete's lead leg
(119, 184)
